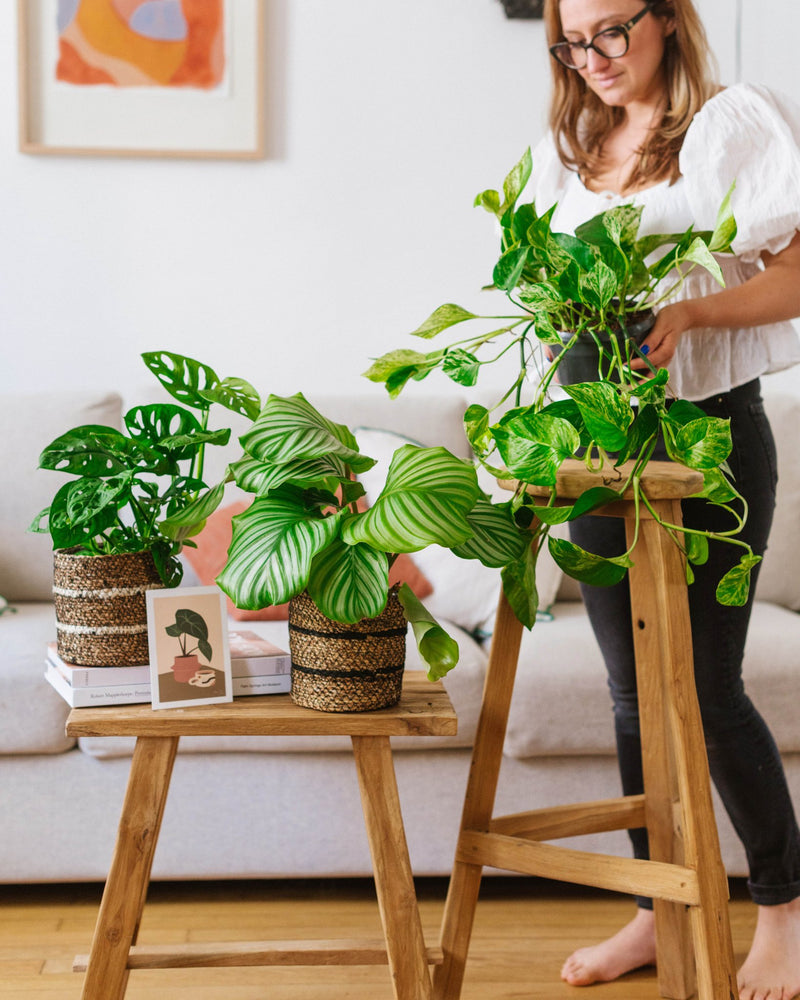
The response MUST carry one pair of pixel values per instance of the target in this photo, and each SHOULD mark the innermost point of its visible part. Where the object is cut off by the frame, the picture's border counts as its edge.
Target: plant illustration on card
(188, 626)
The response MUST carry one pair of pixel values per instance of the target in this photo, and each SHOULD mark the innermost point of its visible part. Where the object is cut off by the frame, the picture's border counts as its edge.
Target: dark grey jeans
(743, 759)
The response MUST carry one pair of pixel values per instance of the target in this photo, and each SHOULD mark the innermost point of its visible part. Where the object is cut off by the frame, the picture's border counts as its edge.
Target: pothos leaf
(586, 566)
(441, 319)
(461, 366)
(734, 588)
(519, 587)
(607, 417)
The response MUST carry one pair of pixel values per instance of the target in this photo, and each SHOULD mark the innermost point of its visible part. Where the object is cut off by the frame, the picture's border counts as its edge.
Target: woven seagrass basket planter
(101, 611)
(346, 668)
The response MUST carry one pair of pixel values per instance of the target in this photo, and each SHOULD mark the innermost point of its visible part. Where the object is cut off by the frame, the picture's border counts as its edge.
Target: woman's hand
(671, 323)
(770, 296)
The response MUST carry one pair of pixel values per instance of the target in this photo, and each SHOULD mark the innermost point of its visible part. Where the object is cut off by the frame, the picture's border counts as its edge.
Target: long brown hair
(581, 122)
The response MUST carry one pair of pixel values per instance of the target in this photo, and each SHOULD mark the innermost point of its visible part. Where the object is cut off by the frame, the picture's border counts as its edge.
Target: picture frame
(190, 662)
(223, 121)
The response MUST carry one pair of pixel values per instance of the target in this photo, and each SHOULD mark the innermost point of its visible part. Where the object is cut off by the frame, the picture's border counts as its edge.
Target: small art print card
(190, 662)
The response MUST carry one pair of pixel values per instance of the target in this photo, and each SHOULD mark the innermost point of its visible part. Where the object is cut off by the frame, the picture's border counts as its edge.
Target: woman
(636, 117)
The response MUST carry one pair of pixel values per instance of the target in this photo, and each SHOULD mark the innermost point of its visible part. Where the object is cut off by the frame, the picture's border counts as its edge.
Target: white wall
(385, 118)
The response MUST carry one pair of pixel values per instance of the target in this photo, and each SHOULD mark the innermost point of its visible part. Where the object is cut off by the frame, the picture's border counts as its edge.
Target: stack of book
(257, 666)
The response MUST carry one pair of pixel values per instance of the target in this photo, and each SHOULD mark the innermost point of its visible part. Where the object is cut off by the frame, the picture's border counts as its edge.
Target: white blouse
(745, 133)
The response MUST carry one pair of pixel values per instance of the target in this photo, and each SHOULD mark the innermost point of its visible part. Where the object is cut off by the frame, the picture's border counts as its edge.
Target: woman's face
(635, 78)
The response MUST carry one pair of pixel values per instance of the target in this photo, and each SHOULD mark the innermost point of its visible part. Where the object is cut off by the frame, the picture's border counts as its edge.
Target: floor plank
(523, 930)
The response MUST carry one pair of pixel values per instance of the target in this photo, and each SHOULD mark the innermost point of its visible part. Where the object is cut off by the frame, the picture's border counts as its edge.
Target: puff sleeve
(548, 175)
(747, 134)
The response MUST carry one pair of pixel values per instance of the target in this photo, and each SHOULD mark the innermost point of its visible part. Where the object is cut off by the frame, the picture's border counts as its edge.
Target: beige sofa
(275, 807)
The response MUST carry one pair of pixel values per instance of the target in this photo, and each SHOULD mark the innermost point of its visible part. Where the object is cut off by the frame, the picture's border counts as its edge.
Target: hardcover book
(251, 656)
(258, 667)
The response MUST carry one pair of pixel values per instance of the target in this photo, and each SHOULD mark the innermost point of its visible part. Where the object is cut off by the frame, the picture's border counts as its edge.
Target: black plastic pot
(582, 362)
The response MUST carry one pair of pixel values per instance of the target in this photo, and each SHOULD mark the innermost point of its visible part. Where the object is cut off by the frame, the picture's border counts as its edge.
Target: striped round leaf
(274, 542)
(349, 582)
(258, 477)
(496, 539)
(289, 428)
(425, 501)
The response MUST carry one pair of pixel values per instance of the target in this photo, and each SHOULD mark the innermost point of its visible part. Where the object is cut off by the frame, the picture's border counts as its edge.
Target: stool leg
(678, 807)
(126, 886)
(397, 901)
(462, 895)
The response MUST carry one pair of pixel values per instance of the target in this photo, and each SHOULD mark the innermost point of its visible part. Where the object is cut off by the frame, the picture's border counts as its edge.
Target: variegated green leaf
(533, 445)
(349, 582)
(606, 415)
(519, 586)
(274, 542)
(734, 588)
(441, 319)
(427, 496)
(289, 428)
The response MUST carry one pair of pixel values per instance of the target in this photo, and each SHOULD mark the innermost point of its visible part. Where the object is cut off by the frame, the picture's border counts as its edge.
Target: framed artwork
(190, 662)
(173, 78)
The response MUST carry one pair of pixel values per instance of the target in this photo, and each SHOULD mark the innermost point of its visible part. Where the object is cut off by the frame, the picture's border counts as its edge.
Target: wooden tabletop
(660, 480)
(424, 710)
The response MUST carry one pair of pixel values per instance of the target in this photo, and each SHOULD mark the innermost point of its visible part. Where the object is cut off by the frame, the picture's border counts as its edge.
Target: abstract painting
(136, 43)
(175, 78)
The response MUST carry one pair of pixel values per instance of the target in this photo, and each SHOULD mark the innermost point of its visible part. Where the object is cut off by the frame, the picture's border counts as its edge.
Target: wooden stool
(424, 710)
(685, 875)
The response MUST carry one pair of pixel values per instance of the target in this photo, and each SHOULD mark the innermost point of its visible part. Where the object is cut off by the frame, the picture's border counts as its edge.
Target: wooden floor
(523, 930)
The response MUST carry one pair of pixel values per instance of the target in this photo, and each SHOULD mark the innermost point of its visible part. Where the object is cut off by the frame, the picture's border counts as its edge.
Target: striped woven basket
(101, 613)
(346, 668)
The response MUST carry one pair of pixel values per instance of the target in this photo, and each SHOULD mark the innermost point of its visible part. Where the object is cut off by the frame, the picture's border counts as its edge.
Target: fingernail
(645, 349)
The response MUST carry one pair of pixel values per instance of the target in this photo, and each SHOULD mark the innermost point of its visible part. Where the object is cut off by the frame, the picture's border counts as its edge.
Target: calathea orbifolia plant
(137, 490)
(564, 288)
(304, 529)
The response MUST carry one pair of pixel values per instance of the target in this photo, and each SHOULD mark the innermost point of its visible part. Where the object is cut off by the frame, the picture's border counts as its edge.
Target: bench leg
(126, 887)
(397, 900)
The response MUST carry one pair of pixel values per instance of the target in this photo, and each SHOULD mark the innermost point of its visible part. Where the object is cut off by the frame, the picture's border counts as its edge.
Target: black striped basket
(346, 668)
(101, 611)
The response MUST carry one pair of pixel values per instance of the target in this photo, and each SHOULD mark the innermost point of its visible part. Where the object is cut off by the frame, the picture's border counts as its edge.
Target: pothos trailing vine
(566, 289)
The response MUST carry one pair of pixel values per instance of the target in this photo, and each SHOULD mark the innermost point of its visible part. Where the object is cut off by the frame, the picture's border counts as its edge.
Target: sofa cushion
(770, 670)
(464, 685)
(32, 716)
(28, 423)
(561, 704)
(778, 580)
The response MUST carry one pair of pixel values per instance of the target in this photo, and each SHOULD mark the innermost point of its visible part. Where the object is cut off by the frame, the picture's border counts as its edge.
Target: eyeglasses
(611, 43)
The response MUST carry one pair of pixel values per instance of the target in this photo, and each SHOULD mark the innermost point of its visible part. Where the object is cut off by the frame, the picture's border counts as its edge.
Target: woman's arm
(771, 296)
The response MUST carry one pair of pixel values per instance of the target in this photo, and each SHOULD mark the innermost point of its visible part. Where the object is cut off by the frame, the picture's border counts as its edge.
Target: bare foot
(628, 949)
(772, 969)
